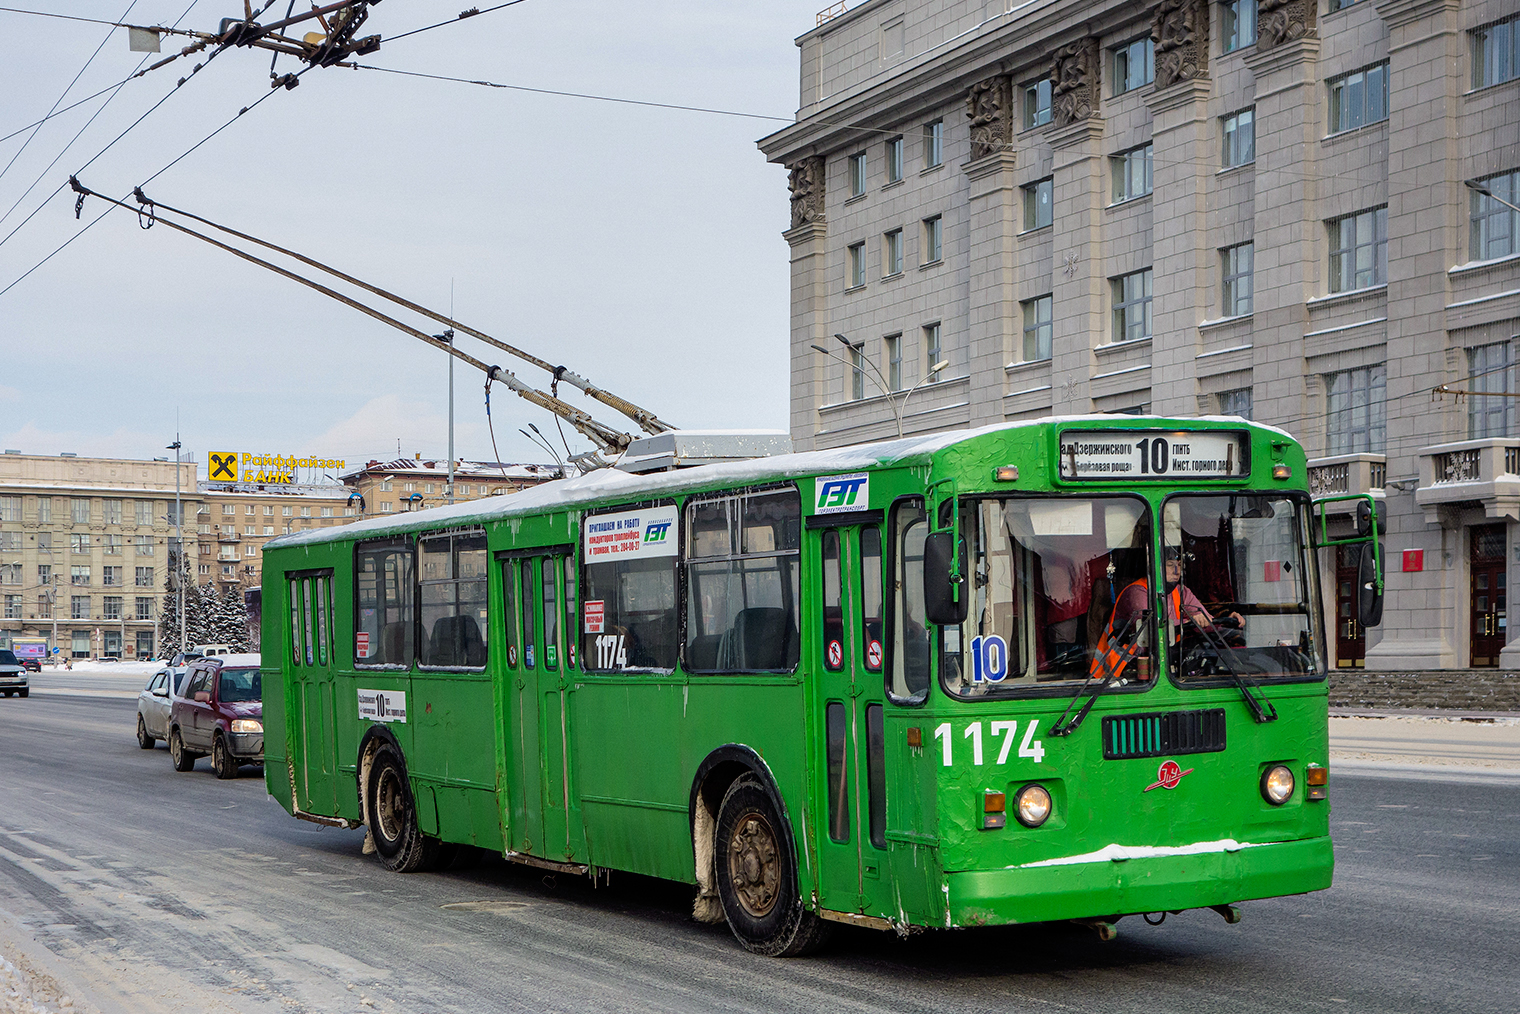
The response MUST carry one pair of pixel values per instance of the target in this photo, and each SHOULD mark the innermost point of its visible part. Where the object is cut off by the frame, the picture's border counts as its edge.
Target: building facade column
(1080, 301)
(992, 222)
(808, 239)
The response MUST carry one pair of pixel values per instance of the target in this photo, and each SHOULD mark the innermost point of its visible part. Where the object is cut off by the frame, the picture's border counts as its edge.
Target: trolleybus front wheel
(399, 843)
(757, 880)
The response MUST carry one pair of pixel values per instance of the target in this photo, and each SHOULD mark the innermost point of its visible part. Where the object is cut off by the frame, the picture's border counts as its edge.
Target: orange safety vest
(1108, 660)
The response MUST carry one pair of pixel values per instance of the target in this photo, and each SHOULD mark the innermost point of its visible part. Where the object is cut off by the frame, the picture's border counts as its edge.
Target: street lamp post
(179, 538)
(1481, 188)
(898, 408)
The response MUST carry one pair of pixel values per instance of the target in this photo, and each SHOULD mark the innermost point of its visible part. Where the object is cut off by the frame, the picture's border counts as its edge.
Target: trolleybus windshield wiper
(1262, 714)
(1124, 648)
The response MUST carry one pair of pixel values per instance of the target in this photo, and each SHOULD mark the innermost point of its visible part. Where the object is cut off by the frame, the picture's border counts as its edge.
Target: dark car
(31, 664)
(12, 675)
(221, 713)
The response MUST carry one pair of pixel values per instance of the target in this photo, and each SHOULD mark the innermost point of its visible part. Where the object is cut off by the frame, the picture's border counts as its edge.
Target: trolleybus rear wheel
(399, 843)
(757, 880)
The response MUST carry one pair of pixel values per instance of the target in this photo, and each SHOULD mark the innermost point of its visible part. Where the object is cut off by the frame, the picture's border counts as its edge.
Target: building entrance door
(1488, 595)
(1350, 638)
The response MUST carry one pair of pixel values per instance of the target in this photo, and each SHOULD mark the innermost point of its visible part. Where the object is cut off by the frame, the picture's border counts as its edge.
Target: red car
(221, 713)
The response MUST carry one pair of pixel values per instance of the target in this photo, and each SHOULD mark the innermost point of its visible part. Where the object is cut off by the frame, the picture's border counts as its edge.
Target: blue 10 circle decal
(989, 659)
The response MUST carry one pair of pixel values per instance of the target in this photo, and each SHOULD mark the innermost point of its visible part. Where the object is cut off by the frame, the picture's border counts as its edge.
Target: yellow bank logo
(224, 466)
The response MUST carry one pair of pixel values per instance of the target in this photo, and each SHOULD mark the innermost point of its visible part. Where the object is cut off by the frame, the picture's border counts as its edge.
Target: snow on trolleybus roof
(609, 484)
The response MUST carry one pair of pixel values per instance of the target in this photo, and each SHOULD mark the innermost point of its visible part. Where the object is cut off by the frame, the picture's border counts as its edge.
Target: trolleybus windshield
(1045, 574)
(1245, 560)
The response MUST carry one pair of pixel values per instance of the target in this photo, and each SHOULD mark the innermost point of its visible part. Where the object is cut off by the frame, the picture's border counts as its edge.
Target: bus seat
(395, 643)
(456, 640)
(702, 653)
(762, 639)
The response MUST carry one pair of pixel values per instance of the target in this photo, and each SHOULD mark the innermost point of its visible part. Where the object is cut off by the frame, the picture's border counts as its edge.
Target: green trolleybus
(1070, 669)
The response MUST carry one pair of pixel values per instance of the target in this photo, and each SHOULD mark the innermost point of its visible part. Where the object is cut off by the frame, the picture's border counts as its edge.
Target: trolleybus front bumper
(1120, 881)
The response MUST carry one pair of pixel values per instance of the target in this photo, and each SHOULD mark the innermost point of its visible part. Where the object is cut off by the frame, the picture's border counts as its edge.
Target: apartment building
(1296, 211)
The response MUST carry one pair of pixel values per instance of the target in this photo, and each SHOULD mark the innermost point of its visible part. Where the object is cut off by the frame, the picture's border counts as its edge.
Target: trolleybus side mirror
(1369, 588)
(1363, 518)
(944, 601)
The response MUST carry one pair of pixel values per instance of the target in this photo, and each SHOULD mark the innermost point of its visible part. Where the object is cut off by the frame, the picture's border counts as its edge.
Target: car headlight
(1277, 785)
(247, 725)
(1032, 805)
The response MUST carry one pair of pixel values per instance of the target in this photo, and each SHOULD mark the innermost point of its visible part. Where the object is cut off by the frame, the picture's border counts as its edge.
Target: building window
(1134, 65)
(1496, 53)
(935, 350)
(144, 510)
(1355, 416)
(1236, 264)
(385, 508)
(44, 574)
(79, 543)
(79, 510)
(1237, 402)
(13, 607)
(10, 542)
(269, 510)
(111, 511)
(79, 607)
(10, 508)
(269, 529)
(110, 607)
(10, 573)
(891, 253)
(1490, 371)
(1240, 138)
(143, 577)
(110, 577)
(142, 545)
(1495, 230)
(1036, 103)
(1132, 306)
(857, 372)
(1359, 98)
(250, 530)
(306, 511)
(1359, 250)
(227, 569)
(79, 575)
(1237, 23)
(286, 511)
(45, 510)
(228, 509)
(250, 509)
(144, 607)
(934, 144)
(205, 568)
(932, 240)
(1038, 211)
(1037, 329)
(892, 346)
(250, 551)
(857, 170)
(464, 489)
(895, 160)
(1132, 173)
(857, 265)
(1340, 5)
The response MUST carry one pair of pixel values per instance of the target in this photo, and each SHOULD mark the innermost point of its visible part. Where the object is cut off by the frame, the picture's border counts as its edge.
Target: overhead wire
(86, 125)
(471, 13)
(62, 95)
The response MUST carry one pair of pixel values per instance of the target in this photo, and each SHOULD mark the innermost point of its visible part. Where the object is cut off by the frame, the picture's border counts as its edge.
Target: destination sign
(1152, 454)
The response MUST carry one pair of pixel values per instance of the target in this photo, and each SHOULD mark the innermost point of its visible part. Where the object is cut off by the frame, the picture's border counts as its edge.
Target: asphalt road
(161, 891)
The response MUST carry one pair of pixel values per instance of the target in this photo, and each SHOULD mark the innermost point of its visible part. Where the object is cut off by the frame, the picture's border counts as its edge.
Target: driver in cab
(1124, 639)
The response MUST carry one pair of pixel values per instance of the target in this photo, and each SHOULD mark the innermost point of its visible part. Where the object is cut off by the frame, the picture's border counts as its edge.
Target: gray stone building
(1253, 207)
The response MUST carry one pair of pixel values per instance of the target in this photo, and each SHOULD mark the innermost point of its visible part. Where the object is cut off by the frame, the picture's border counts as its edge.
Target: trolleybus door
(852, 838)
(556, 584)
(311, 655)
(524, 816)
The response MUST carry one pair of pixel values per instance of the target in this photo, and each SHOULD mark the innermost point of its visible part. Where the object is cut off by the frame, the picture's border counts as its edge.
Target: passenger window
(383, 590)
(833, 611)
(871, 598)
(551, 616)
(307, 608)
(572, 611)
(509, 609)
(839, 786)
(296, 651)
(630, 620)
(909, 680)
(453, 604)
(742, 575)
(529, 598)
(324, 610)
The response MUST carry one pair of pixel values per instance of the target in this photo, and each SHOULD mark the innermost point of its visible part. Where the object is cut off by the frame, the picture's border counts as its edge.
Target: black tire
(222, 762)
(25, 693)
(7, 693)
(392, 811)
(143, 739)
(183, 759)
(757, 877)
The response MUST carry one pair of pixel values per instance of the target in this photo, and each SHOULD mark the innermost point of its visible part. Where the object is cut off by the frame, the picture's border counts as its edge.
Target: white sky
(640, 247)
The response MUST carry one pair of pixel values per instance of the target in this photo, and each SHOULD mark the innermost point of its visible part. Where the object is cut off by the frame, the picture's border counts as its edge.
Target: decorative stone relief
(989, 107)
(1279, 21)
(806, 184)
(1181, 34)
(1074, 95)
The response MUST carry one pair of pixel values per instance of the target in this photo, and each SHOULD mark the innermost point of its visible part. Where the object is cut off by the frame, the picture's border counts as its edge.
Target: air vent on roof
(688, 448)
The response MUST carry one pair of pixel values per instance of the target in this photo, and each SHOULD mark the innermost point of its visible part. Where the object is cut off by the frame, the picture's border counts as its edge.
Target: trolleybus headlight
(1032, 805)
(1277, 785)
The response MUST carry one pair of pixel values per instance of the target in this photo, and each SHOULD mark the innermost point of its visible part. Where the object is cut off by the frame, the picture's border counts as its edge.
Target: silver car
(13, 678)
(153, 704)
